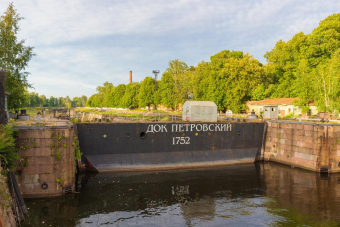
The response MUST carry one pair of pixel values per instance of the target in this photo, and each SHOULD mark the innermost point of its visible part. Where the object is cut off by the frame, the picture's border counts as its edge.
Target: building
(285, 106)
(199, 111)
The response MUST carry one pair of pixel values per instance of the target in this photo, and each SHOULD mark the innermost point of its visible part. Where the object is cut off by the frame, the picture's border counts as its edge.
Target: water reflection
(261, 194)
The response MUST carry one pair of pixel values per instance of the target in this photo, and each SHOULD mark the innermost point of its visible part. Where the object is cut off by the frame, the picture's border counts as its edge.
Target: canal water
(261, 194)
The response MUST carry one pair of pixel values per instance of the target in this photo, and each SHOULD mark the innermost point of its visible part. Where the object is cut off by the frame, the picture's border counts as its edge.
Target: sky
(80, 44)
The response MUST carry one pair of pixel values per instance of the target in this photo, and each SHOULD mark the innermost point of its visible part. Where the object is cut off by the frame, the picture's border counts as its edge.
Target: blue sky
(80, 44)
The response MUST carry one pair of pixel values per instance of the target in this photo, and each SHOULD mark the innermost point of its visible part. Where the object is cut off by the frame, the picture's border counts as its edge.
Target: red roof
(277, 101)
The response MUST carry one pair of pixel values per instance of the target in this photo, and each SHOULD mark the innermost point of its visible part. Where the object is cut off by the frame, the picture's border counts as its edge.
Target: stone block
(336, 128)
(47, 177)
(43, 160)
(307, 144)
(32, 187)
(289, 142)
(44, 142)
(298, 126)
(37, 169)
(29, 178)
(299, 144)
(34, 133)
(308, 127)
(308, 133)
(282, 141)
(35, 152)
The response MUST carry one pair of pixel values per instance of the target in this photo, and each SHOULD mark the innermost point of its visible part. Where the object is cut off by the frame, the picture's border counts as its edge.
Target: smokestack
(130, 77)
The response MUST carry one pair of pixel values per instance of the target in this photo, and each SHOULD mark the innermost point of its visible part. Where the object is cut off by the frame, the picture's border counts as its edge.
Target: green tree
(14, 58)
(83, 100)
(106, 93)
(175, 84)
(146, 93)
(130, 98)
(233, 78)
(305, 66)
(117, 94)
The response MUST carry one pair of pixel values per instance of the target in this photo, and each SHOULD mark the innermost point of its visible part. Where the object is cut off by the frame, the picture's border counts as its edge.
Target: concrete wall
(307, 145)
(47, 157)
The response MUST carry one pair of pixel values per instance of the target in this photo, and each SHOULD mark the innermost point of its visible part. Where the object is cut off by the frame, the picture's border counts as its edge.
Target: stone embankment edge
(311, 146)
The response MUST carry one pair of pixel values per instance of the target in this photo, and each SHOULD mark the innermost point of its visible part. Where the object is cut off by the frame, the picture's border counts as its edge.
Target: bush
(8, 154)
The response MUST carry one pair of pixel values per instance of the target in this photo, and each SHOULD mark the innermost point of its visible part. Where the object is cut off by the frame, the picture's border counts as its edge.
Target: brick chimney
(130, 77)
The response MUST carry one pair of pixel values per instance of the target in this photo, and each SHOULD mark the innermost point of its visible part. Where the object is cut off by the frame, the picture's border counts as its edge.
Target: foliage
(77, 153)
(14, 58)
(8, 154)
(306, 66)
(146, 92)
(36, 100)
(174, 85)
(130, 98)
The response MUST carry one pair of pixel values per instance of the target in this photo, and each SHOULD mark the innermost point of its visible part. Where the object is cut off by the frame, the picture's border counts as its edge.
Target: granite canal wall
(310, 146)
(151, 146)
(47, 166)
(7, 218)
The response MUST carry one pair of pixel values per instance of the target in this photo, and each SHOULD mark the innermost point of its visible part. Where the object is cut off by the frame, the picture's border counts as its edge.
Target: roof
(200, 103)
(278, 101)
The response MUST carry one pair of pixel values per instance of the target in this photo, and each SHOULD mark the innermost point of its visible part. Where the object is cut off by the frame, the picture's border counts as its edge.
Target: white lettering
(180, 128)
(217, 127)
(211, 130)
(192, 126)
(180, 140)
(164, 128)
(174, 126)
(229, 127)
(205, 127)
(224, 127)
(187, 127)
(157, 130)
(150, 129)
(188, 140)
(197, 127)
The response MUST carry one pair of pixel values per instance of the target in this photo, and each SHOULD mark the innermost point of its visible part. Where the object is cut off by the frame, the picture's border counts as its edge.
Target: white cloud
(83, 43)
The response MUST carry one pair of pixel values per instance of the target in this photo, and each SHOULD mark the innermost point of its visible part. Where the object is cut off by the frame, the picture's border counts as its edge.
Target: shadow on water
(255, 194)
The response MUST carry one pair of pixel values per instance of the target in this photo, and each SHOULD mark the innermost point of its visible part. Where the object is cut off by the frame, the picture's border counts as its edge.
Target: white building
(199, 111)
(285, 106)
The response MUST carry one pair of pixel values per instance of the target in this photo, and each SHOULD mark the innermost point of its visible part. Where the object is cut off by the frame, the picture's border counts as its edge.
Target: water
(242, 195)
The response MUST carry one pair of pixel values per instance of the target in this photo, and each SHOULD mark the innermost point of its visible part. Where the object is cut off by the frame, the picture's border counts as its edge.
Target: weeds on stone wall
(5, 198)
(77, 153)
(58, 155)
(8, 154)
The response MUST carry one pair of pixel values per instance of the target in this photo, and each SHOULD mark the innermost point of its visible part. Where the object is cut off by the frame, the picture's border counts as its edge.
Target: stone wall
(6, 213)
(47, 166)
(310, 146)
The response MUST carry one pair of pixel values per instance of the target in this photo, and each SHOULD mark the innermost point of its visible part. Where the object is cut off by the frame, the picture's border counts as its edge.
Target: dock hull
(161, 146)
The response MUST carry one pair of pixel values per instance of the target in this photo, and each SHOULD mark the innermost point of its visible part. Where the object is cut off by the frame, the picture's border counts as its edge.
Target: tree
(305, 66)
(130, 98)
(83, 100)
(117, 94)
(233, 77)
(146, 93)
(14, 58)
